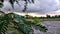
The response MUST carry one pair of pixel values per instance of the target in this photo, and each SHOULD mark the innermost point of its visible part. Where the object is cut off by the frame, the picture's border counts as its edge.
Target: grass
(50, 19)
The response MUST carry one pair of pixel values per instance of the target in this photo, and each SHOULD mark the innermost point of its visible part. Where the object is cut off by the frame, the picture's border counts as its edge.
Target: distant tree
(26, 16)
(56, 16)
(59, 16)
(48, 16)
(53, 16)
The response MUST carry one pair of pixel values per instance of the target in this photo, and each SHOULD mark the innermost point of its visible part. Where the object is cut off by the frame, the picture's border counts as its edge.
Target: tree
(59, 16)
(48, 16)
(18, 22)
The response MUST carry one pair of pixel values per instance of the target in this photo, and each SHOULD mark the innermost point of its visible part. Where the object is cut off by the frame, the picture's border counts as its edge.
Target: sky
(40, 6)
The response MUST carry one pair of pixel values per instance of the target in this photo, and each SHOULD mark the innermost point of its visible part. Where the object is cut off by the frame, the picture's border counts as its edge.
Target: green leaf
(19, 23)
(12, 2)
(1, 5)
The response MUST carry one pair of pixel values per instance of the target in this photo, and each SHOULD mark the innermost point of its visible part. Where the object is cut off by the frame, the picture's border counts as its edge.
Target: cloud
(45, 6)
(41, 6)
(6, 6)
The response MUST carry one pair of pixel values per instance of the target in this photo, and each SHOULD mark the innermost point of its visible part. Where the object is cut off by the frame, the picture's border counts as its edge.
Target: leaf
(1, 5)
(18, 3)
(25, 6)
(12, 2)
(32, 1)
(41, 28)
(2, 0)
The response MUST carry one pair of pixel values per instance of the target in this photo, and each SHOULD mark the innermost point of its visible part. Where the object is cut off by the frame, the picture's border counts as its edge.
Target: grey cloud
(42, 6)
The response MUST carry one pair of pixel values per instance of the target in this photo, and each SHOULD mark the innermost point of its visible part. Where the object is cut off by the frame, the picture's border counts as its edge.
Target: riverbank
(50, 19)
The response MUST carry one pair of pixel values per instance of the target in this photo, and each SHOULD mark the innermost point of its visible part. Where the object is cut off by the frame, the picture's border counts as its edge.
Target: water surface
(53, 27)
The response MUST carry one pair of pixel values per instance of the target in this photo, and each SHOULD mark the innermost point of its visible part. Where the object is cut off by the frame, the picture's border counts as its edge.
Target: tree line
(56, 16)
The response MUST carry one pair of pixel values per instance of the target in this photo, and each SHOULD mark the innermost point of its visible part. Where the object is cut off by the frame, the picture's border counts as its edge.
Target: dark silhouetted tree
(48, 16)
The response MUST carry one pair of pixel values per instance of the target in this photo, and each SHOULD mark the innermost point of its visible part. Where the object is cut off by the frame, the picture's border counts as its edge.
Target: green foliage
(16, 32)
(26, 4)
(1, 3)
(35, 19)
(2, 0)
(48, 16)
(4, 21)
(20, 24)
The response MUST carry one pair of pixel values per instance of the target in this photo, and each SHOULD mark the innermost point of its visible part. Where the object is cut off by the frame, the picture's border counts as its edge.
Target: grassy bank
(50, 19)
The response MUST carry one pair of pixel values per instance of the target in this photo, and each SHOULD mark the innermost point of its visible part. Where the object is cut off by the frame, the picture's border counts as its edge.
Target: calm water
(53, 27)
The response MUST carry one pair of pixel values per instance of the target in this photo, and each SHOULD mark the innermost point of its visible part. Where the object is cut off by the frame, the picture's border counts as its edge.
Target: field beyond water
(50, 19)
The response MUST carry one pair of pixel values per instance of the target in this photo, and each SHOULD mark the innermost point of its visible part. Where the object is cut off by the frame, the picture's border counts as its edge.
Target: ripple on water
(53, 27)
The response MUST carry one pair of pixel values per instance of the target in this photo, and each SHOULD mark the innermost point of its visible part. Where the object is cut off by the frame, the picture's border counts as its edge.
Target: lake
(53, 27)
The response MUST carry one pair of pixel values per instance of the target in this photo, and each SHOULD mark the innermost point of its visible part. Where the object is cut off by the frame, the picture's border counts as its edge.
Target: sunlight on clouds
(31, 14)
(57, 1)
(55, 13)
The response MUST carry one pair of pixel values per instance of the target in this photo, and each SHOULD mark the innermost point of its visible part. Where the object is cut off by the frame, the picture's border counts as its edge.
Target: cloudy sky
(40, 6)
